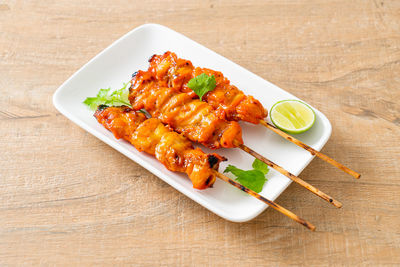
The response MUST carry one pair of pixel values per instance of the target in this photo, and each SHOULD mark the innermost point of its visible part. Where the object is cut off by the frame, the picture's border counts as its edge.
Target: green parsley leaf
(234, 170)
(252, 179)
(91, 102)
(104, 97)
(202, 84)
(261, 166)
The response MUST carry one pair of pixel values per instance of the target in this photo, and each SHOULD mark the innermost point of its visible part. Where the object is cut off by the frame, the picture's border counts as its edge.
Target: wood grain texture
(68, 199)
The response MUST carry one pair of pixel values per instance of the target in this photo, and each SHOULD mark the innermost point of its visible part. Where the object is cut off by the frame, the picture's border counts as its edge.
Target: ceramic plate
(115, 65)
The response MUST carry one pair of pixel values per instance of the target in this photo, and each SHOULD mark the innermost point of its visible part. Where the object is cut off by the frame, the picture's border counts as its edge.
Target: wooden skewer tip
(270, 203)
(291, 176)
(310, 149)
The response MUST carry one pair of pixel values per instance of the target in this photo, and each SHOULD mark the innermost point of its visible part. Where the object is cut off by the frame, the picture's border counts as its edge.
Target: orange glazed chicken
(228, 101)
(170, 148)
(194, 118)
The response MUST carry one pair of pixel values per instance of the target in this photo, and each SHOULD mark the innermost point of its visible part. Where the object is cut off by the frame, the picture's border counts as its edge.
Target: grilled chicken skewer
(228, 101)
(174, 151)
(198, 121)
(170, 148)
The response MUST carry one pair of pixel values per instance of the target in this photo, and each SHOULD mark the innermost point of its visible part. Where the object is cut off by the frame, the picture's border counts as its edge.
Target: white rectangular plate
(115, 65)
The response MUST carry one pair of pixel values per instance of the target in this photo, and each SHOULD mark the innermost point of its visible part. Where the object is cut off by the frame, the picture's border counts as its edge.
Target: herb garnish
(252, 179)
(105, 97)
(202, 84)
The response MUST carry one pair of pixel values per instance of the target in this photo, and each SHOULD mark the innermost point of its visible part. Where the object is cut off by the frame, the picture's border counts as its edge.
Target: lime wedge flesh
(292, 116)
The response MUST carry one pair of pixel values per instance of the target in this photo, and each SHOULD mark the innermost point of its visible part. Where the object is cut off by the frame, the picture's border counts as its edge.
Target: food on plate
(201, 105)
(170, 148)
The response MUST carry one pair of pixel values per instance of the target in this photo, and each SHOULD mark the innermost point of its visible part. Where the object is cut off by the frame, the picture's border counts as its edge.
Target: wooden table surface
(66, 198)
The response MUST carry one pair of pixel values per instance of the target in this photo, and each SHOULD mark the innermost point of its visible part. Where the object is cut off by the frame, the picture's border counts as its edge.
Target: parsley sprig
(202, 84)
(252, 179)
(106, 97)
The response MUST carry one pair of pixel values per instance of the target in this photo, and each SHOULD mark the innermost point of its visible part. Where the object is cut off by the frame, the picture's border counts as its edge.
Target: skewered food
(174, 151)
(229, 102)
(195, 119)
(170, 148)
(164, 92)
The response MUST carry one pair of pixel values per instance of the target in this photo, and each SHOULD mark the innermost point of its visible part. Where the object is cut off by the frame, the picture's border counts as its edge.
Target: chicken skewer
(174, 151)
(170, 148)
(198, 122)
(228, 101)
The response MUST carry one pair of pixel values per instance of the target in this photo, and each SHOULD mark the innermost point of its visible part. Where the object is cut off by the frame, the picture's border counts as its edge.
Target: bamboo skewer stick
(311, 150)
(291, 176)
(267, 201)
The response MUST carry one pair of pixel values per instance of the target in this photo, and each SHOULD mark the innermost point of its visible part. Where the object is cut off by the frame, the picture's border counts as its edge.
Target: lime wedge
(292, 116)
